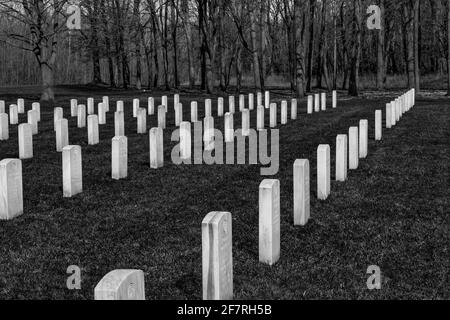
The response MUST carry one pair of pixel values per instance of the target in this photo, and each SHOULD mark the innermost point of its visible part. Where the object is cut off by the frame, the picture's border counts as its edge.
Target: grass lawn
(392, 212)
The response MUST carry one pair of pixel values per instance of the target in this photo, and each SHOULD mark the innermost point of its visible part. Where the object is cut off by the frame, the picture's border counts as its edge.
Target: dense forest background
(224, 45)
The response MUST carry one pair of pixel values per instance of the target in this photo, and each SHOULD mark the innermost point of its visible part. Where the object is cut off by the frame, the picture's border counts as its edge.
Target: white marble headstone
(121, 285)
(25, 141)
(323, 172)
(72, 171)
(119, 157)
(269, 221)
(11, 189)
(301, 192)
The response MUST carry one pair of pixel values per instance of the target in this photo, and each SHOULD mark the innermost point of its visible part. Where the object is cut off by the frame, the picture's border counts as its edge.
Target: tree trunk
(301, 24)
(256, 67)
(356, 50)
(416, 45)
(380, 51)
(312, 8)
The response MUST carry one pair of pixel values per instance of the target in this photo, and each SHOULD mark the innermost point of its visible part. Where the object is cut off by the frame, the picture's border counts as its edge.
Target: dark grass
(392, 212)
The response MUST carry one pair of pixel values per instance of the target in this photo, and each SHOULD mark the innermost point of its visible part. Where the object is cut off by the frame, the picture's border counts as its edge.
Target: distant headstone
(269, 222)
(393, 114)
(90, 106)
(208, 135)
(11, 189)
(62, 134)
(36, 106)
(4, 127)
(135, 107)
(165, 103)
(13, 114)
(194, 111)
(142, 121)
(151, 106)
(378, 125)
(259, 99)
(185, 141)
(81, 119)
(317, 102)
(388, 116)
(178, 114)
(341, 157)
(301, 192)
(323, 172)
(353, 148)
(58, 114)
(106, 103)
(220, 110)
(119, 157)
(284, 112)
(21, 105)
(334, 99)
(101, 114)
(93, 133)
(156, 147)
(2, 106)
(162, 117)
(294, 109)
(273, 115)
(217, 256)
(363, 138)
(241, 102)
(231, 104)
(176, 100)
(245, 122)
(73, 107)
(260, 117)
(25, 141)
(72, 171)
(310, 104)
(251, 101)
(208, 108)
(119, 123)
(119, 106)
(267, 100)
(121, 285)
(229, 127)
(323, 101)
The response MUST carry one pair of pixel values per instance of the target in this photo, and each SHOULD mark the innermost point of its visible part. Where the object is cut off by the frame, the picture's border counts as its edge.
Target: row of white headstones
(216, 227)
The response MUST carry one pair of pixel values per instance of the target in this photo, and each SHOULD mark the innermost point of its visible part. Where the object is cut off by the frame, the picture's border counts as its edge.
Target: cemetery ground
(392, 212)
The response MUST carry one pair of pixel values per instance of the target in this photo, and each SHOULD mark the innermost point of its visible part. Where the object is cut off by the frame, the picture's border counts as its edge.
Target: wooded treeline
(219, 44)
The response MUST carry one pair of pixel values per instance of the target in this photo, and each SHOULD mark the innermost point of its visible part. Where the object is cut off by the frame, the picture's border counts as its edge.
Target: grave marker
(101, 114)
(246, 122)
(151, 106)
(81, 119)
(208, 135)
(62, 134)
(121, 285)
(241, 102)
(323, 172)
(185, 141)
(162, 117)
(378, 125)
(11, 189)
(119, 106)
(178, 114)
(273, 115)
(156, 147)
(260, 117)
(363, 138)
(341, 157)
(324, 101)
(267, 100)
(334, 99)
(142, 121)
(106, 103)
(13, 114)
(208, 108)
(119, 123)
(251, 101)
(259, 99)
(317, 102)
(72, 171)
(269, 221)
(231, 104)
(21, 105)
(36, 106)
(353, 148)
(73, 107)
(58, 114)
(294, 109)
(301, 192)
(229, 127)
(220, 107)
(4, 127)
(284, 112)
(2, 106)
(93, 133)
(136, 103)
(388, 116)
(25, 141)
(310, 104)
(194, 111)
(217, 256)
(90, 106)
(119, 157)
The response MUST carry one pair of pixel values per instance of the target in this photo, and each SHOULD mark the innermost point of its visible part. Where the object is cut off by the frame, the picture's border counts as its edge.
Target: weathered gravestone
(156, 148)
(4, 127)
(121, 285)
(119, 158)
(93, 133)
(301, 192)
(72, 171)
(25, 141)
(11, 189)
(217, 256)
(269, 221)
(341, 157)
(62, 134)
(323, 172)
